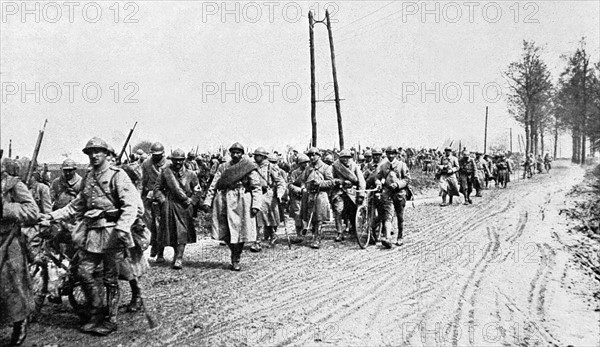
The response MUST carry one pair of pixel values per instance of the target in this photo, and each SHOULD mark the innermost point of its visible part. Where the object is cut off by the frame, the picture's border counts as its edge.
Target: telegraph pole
(335, 83)
(485, 136)
(10, 148)
(313, 99)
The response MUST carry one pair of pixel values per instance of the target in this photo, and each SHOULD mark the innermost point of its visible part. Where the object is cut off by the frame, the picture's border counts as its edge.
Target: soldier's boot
(160, 256)
(110, 324)
(274, 236)
(256, 246)
(92, 296)
(387, 240)
(478, 193)
(135, 305)
(339, 228)
(153, 251)
(316, 244)
(178, 257)
(400, 239)
(19, 332)
(238, 248)
(299, 237)
(450, 200)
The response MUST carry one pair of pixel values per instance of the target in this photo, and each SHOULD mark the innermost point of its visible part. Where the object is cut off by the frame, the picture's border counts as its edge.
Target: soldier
(178, 192)
(504, 170)
(368, 157)
(16, 296)
(190, 163)
(134, 170)
(318, 179)
(151, 168)
(481, 173)
(466, 175)
(547, 162)
(371, 167)
(446, 175)
(235, 197)
(328, 158)
(273, 188)
(393, 176)
(65, 188)
(347, 179)
(40, 193)
(109, 204)
(295, 191)
(361, 162)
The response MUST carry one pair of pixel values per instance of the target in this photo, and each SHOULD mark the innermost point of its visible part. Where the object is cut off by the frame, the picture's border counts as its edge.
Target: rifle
(125, 144)
(36, 151)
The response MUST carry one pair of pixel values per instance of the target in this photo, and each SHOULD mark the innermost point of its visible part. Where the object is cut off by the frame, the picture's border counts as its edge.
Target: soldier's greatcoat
(231, 206)
(273, 188)
(18, 206)
(447, 175)
(63, 191)
(172, 190)
(318, 179)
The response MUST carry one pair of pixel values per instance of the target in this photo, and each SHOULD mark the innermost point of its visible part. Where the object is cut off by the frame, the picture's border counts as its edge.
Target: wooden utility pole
(510, 140)
(313, 99)
(10, 148)
(335, 83)
(485, 135)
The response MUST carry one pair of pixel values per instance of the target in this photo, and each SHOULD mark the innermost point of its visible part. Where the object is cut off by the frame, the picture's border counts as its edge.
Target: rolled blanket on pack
(345, 172)
(235, 173)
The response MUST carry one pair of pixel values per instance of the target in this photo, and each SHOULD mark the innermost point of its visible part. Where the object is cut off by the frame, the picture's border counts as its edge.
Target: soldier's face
(391, 156)
(157, 157)
(314, 158)
(236, 155)
(259, 158)
(97, 156)
(177, 163)
(345, 161)
(69, 173)
(448, 153)
(377, 158)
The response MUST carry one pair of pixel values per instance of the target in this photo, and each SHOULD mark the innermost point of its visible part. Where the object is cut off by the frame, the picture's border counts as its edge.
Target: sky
(205, 74)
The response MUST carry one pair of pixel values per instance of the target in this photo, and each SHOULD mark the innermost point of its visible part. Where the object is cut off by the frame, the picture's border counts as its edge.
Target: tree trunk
(583, 149)
(542, 141)
(555, 140)
(527, 133)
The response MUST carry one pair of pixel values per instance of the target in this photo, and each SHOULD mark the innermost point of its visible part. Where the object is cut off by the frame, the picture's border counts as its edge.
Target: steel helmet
(68, 164)
(237, 146)
(368, 154)
(140, 152)
(345, 154)
(273, 158)
(157, 148)
(391, 149)
(261, 151)
(96, 142)
(177, 154)
(302, 158)
(313, 150)
(377, 151)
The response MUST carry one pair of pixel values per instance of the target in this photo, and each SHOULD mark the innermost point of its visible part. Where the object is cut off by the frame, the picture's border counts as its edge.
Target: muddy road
(489, 274)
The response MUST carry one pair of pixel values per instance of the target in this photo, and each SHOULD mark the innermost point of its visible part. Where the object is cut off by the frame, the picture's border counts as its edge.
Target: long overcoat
(18, 206)
(231, 207)
(273, 188)
(318, 179)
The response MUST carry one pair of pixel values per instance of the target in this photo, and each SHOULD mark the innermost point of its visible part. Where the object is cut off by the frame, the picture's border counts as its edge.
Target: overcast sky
(210, 73)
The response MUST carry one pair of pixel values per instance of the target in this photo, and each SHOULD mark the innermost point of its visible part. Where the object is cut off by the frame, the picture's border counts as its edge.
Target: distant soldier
(547, 162)
(134, 170)
(528, 166)
(65, 188)
(393, 176)
(504, 170)
(347, 193)
(235, 197)
(151, 168)
(108, 204)
(481, 173)
(466, 175)
(295, 191)
(371, 167)
(273, 188)
(368, 157)
(16, 296)
(446, 175)
(178, 193)
(318, 179)
(328, 159)
(190, 163)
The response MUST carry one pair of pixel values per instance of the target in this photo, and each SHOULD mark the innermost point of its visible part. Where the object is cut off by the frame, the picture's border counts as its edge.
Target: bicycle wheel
(363, 226)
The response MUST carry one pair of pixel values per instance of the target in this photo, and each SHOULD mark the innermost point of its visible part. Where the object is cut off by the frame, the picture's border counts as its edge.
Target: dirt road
(489, 274)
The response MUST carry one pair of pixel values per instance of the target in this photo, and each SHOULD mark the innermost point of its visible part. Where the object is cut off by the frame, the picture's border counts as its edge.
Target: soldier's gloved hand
(360, 200)
(254, 212)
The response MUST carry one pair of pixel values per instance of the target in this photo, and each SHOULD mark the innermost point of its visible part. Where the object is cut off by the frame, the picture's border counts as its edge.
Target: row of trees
(545, 108)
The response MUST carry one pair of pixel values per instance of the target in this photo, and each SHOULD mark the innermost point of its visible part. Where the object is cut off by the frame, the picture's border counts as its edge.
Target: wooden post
(510, 140)
(335, 83)
(313, 99)
(10, 148)
(485, 135)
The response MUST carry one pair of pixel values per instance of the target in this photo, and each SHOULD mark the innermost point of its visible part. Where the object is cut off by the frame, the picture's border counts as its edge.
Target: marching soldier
(328, 159)
(273, 188)
(178, 193)
(40, 192)
(190, 163)
(109, 205)
(446, 175)
(481, 173)
(235, 197)
(318, 179)
(295, 191)
(504, 170)
(371, 167)
(466, 175)
(347, 178)
(16, 296)
(151, 168)
(393, 176)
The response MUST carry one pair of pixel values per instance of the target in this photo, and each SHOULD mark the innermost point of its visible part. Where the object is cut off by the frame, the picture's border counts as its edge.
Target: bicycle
(366, 214)
(53, 269)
